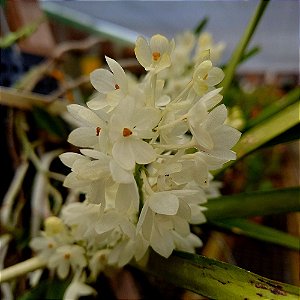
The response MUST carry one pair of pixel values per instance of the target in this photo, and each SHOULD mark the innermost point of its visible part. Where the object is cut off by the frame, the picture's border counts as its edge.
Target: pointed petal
(120, 175)
(143, 52)
(84, 115)
(143, 153)
(215, 76)
(119, 74)
(103, 81)
(164, 203)
(83, 137)
(69, 158)
(123, 154)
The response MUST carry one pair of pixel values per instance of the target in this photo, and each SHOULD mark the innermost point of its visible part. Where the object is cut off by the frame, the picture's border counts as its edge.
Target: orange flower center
(127, 132)
(156, 56)
(67, 256)
(98, 129)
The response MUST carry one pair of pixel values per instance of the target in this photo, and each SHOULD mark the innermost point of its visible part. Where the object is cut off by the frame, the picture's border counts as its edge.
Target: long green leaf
(260, 232)
(265, 132)
(276, 107)
(242, 45)
(201, 26)
(253, 204)
(216, 280)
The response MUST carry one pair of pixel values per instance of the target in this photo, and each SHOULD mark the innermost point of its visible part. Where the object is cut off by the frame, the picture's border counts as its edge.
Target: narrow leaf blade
(260, 232)
(253, 204)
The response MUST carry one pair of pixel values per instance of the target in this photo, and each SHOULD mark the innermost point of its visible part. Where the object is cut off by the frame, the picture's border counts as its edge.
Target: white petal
(159, 43)
(120, 175)
(98, 102)
(142, 216)
(72, 181)
(212, 98)
(94, 154)
(162, 244)
(63, 270)
(69, 158)
(197, 215)
(108, 221)
(226, 136)
(216, 117)
(127, 194)
(84, 115)
(120, 76)
(215, 76)
(146, 118)
(164, 203)
(83, 137)
(143, 52)
(202, 137)
(102, 80)
(77, 289)
(202, 70)
(123, 154)
(142, 151)
(181, 226)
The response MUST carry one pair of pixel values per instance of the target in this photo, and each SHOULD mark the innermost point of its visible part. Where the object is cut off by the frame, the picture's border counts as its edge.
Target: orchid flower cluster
(144, 165)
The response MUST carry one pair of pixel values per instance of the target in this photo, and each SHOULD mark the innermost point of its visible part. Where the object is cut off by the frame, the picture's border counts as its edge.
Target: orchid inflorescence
(146, 151)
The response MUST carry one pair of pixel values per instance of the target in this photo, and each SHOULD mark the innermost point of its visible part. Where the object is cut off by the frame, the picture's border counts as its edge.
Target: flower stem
(22, 268)
(240, 49)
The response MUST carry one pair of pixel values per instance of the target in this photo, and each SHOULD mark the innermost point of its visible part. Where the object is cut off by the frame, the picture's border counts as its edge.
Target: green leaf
(47, 289)
(290, 135)
(260, 232)
(253, 204)
(259, 135)
(199, 28)
(288, 99)
(242, 45)
(22, 33)
(52, 124)
(247, 55)
(216, 280)
(266, 132)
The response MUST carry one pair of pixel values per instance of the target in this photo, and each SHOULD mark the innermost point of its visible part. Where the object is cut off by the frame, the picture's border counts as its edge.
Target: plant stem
(22, 268)
(240, 49)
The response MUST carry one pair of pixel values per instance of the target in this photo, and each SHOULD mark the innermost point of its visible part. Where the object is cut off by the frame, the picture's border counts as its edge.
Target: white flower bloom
(180, 136)
(82, 217)
(98, 262)
(92, 133)
(128, 127)
(213, 138)
(205, 42)
(65, 257)
(166, 212)
(155, 55)
(77, 289)
(44, 246)
(111, 86)
(205, 77)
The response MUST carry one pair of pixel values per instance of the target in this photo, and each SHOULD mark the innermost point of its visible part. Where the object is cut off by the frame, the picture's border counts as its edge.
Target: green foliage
(215, 279)
(258, 203)
(22, 33)
(260, 232)
(54, 125)
(47, 289)
(201, 26)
